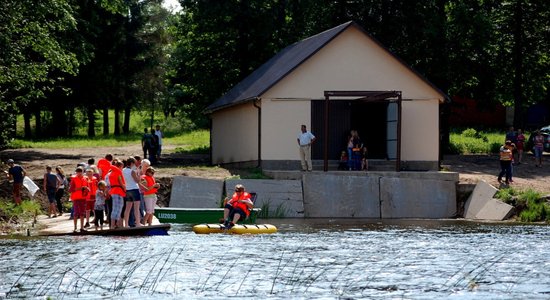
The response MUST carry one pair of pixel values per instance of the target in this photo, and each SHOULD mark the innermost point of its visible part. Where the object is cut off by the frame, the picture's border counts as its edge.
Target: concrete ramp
(190, 192)
(481, 205)
(417, 198)
(340, 196)
(276, 198)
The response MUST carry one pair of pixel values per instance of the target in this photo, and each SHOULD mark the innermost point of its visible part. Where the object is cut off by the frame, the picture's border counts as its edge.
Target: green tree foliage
(33, 56)
(132, 54)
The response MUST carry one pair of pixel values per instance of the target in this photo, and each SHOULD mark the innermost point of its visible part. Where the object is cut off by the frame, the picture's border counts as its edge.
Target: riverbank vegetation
(530, 205)
(472, 141)
(16, 218)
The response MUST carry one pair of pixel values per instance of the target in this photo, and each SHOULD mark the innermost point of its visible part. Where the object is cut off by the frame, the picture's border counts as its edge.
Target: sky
(173, 5)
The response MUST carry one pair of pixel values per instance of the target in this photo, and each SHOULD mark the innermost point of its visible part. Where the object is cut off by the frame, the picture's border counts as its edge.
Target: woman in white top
(133, 197)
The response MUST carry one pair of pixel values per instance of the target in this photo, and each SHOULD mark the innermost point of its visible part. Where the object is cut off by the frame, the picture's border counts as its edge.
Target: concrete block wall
(333, 194)
(275, 197)
(430, 195)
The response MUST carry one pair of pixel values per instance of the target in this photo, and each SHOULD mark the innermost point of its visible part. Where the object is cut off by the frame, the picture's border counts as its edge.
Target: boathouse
(337, 80)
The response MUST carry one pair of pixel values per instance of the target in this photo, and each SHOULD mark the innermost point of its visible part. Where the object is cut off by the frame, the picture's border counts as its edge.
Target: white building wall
(234, 134)
(281, 121)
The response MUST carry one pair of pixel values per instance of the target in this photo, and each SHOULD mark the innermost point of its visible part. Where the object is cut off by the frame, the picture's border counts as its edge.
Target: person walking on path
(160, 136)
(505, 162)
(16, 173)
(51, 183)
(538, 148)
(146, 142)
(305, 139)
(520, 145)
(61, 189)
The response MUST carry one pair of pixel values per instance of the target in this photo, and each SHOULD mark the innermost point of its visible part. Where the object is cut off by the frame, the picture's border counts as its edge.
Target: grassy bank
(472, 141)
(196, 141)
(530, 205)
(15, 219)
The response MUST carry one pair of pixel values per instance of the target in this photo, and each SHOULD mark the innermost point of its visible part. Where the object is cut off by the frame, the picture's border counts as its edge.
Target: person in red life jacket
(79, 191)
(90, 199)
(117, 192)
(104, 165)
(237, 208)
(150, 188)
(505, 162)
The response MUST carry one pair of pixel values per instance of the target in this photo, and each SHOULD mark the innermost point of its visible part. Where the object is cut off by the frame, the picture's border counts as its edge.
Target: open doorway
(368, 118)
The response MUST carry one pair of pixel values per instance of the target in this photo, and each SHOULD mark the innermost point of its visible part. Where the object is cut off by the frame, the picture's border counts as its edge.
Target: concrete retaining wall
(190, 192)
(384, 195)
(276, 197)
(333, 194)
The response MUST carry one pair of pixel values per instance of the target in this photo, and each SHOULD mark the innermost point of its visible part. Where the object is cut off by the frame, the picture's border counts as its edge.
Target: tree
(30, 52)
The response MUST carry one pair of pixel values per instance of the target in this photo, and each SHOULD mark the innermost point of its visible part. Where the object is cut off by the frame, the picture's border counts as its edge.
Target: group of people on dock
(121, 193)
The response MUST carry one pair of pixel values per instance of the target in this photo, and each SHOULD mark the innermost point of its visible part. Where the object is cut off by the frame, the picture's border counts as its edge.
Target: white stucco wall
(350, 62)
(281, 121)
(235, 134)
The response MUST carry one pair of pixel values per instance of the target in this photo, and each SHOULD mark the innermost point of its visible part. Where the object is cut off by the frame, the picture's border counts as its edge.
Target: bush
(470, 141)
(470, 132)
(507, 195)
(536, 209)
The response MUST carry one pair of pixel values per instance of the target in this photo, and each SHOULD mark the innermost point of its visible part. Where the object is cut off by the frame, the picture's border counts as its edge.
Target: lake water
(307, 259)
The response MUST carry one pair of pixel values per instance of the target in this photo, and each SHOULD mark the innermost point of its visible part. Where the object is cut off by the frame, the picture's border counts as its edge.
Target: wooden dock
(62, 225)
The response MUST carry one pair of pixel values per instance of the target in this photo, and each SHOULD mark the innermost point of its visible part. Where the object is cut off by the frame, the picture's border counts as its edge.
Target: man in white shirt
(160, 137)
(305, 139)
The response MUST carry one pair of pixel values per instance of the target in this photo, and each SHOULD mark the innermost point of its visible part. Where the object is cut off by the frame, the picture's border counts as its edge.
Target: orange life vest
(150, 182)
(92, 185)
(117, 188)
(505, 154)
(240, 205)
(77, 183)
(104, 165)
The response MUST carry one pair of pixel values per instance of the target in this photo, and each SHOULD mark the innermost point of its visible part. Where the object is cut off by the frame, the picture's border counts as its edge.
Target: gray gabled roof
(284, 62)
(275, 69)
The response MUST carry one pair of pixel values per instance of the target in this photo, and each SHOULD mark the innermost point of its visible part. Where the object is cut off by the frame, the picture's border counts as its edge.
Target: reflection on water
(306, 259)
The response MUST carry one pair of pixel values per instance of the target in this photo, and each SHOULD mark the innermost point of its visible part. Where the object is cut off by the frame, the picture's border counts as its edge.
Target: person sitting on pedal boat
(237, 208)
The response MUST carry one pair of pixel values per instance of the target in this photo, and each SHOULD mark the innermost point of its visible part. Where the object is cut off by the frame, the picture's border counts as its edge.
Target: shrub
(470, 132)
(507, 195)
(535, 210)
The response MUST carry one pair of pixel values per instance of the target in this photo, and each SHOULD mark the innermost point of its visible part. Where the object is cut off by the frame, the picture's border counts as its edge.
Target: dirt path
(471, 167)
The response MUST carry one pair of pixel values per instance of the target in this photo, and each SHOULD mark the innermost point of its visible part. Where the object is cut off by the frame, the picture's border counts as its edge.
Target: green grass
(472, 141)
(529, 203)
(177, 131)
(9, 212)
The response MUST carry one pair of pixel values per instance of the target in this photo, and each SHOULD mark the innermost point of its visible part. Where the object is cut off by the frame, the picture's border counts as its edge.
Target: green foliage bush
(536, 209)
(472, 141)
(18, 213)
(507, 195)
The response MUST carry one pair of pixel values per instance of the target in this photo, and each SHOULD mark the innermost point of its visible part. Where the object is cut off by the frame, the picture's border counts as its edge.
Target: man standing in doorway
(305, 139)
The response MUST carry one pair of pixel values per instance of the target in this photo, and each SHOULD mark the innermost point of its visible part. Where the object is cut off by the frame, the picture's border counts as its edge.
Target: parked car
(545, 131)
